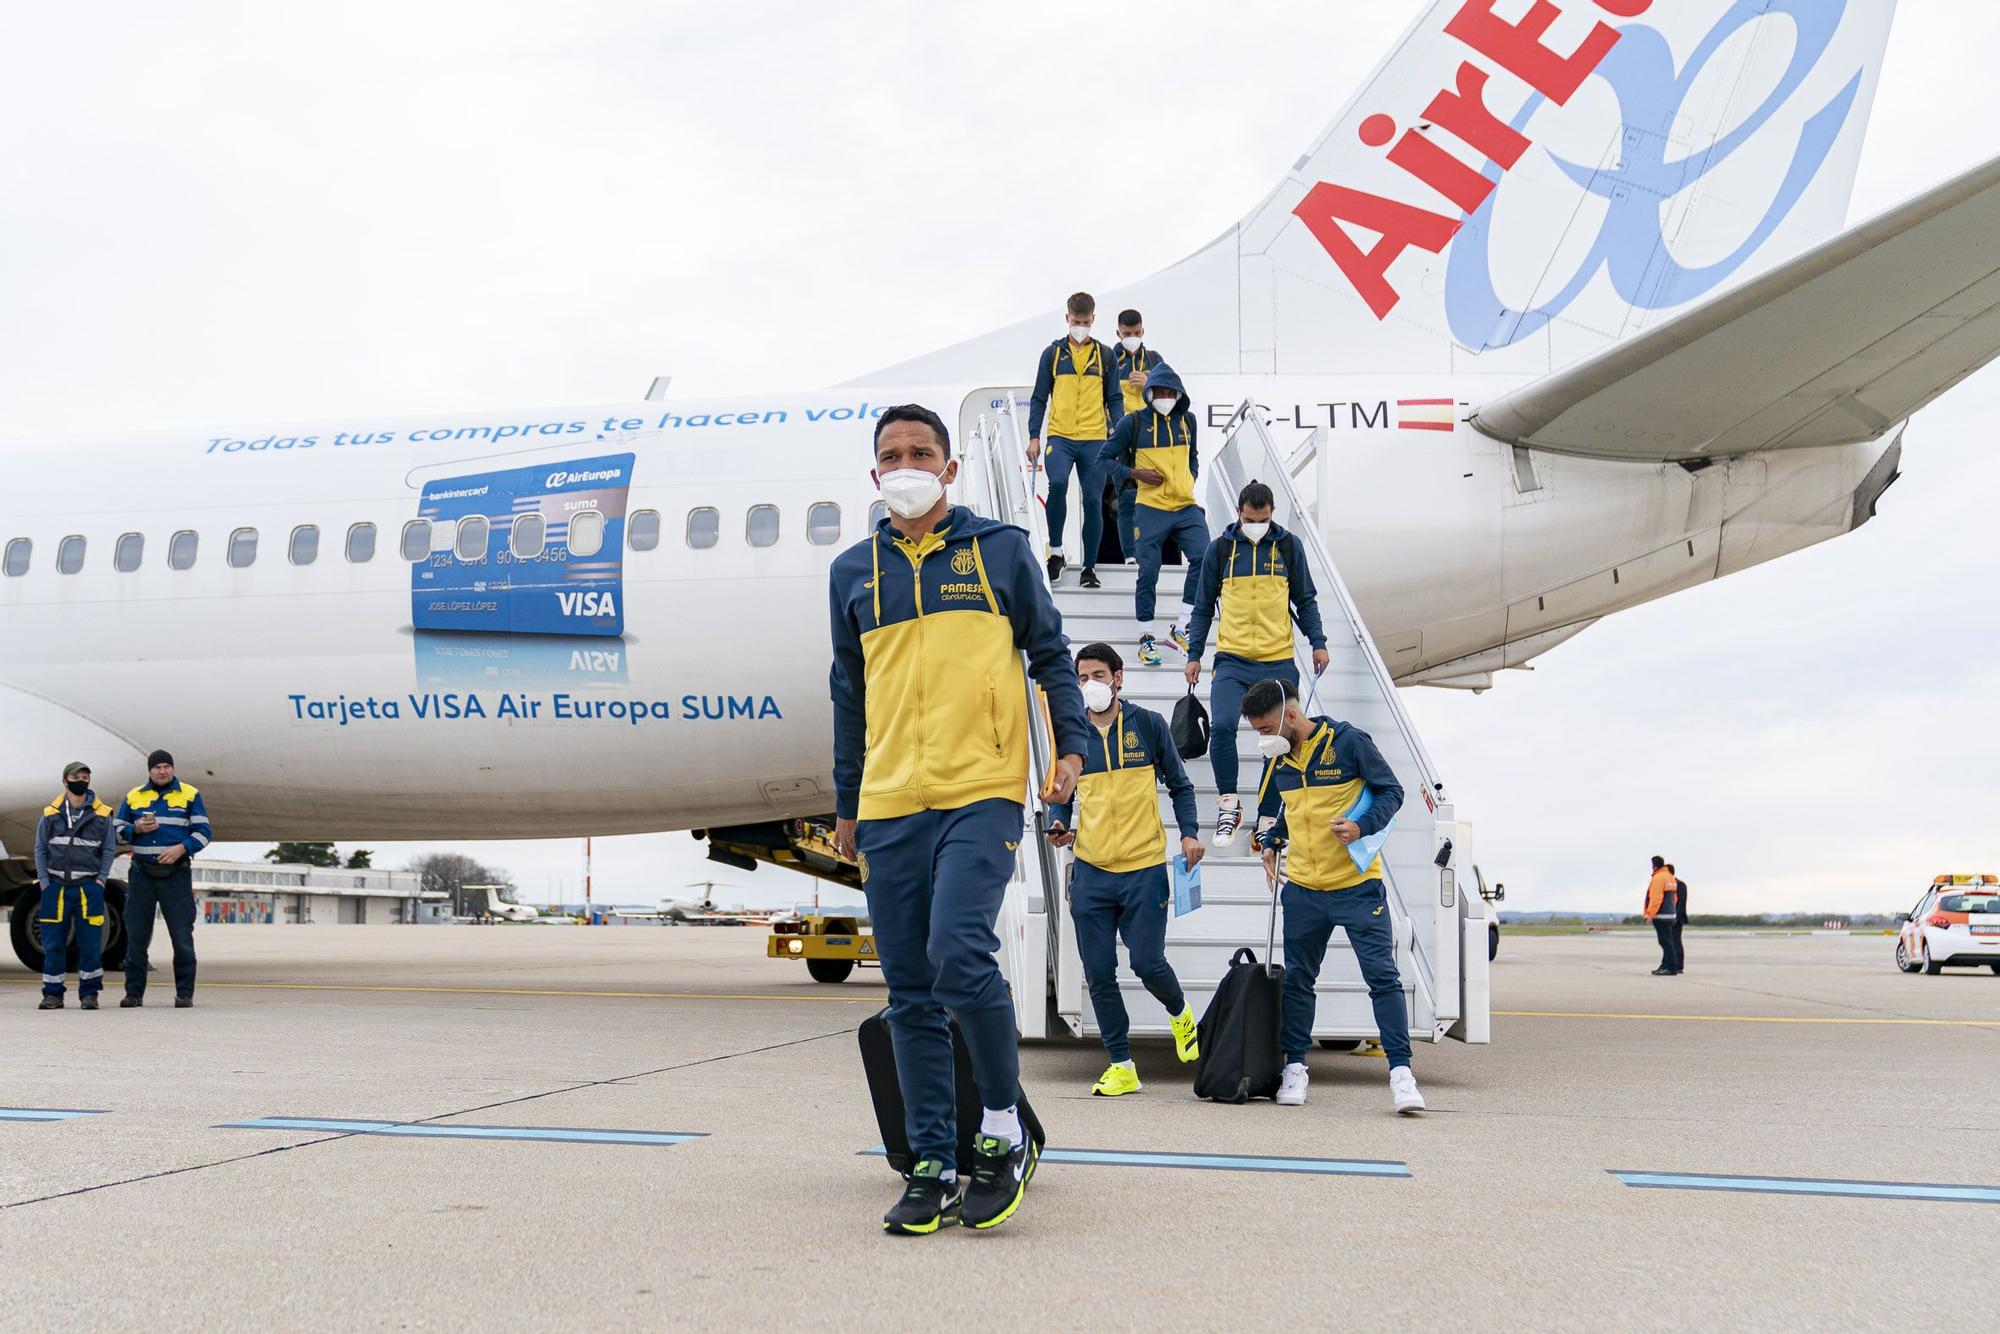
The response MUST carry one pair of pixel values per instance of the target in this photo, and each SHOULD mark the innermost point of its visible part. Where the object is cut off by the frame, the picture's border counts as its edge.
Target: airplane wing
(1832, 348)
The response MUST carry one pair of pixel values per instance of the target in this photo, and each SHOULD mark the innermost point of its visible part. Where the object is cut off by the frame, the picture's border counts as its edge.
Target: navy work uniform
(1324, 889)
(183, 822)
(1120, 885)
(1124, 366)
(1260, 586)
(1077, 396)
(1163, 443)
(75, 844)
(930, 755)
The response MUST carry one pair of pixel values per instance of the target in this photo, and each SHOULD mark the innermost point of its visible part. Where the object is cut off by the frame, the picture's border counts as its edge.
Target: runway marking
(1872, 1190)
(1213, 1162)
(1749, 1019)
(876, 1000)
(427, 1131)
(44, 1113)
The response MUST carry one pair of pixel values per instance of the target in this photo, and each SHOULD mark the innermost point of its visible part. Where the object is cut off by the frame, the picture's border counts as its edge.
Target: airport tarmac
(1802, 1057)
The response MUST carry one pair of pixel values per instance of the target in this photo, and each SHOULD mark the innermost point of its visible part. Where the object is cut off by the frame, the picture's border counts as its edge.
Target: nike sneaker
(928, 1200)
(1055, 568)
(1185, 1045)
(1116, 1081)
(1000, 1176)
(1292, 1086)
(1178, 638)
(1403, 1091)
(1228, 819)
(1149, 651)
(1089, 579)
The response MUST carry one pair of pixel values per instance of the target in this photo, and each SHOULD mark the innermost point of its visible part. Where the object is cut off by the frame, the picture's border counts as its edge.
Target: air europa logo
(558, 479)
(1639, 66)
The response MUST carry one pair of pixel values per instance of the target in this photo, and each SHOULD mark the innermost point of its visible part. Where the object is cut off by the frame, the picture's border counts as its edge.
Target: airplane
(1568, 298)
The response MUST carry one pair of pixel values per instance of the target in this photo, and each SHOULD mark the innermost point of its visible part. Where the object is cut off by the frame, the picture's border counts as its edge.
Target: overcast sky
(221, 213)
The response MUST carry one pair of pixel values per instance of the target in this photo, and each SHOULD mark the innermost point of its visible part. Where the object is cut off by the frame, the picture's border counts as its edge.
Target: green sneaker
(1116, 1081)
(1185, 1044)
(927, 1201)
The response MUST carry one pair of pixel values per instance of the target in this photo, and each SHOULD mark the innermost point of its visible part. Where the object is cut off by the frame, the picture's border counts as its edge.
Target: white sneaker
(1228, 817)
(1292, 1086)
(1402, 1091)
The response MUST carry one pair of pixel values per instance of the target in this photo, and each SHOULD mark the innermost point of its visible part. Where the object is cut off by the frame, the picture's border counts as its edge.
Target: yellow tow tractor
(830, 943)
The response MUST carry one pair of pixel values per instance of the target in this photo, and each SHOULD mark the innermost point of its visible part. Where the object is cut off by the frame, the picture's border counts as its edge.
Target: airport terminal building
(266, 893)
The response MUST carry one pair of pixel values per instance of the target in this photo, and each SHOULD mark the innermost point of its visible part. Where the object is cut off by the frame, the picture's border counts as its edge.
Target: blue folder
(1187, 886)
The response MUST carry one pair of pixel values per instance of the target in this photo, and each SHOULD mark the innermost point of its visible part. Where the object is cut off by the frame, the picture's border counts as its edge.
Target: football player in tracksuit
(75, 844)
(1077, 397)
(1158, 448)
(1257, 572)
(1326, 785)
(931, 614)
(1120, 886)
(1132, 361)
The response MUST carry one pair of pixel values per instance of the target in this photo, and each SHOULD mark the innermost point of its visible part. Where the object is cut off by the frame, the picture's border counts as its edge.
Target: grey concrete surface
(1800, 1057)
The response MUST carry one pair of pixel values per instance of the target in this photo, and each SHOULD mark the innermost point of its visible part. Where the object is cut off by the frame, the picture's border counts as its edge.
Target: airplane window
(131, 549)
(470, 543)
(182, 548)
(761, 527)
(361, 543)
(242, 549)
(704, 527)
(305, 544)
(69, 556)
(643, 529)
(878, 512)
(823, 524)
(586, 533)
(529, 537)
(18, 552)
(416, 540)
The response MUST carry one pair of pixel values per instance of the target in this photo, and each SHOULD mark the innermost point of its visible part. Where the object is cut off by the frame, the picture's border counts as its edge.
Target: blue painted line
(43, 1113)
(408, 1130)
(1214, 1162)
(1862, 1190)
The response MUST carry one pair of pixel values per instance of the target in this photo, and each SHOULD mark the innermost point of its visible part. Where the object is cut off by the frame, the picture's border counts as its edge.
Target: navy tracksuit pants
(935, 881)
(1189, 529)
(1233, 677)
(1363, 912)
(1086, 459)
(1106, 905)
(1128, 503)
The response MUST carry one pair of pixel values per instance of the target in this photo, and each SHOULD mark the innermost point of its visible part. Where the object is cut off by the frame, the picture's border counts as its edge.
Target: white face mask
(911, 493)
(1256, 532)
(1079, 333)
(1273, 747)
(1164, 406)
(1131, 344)
(1097, 696)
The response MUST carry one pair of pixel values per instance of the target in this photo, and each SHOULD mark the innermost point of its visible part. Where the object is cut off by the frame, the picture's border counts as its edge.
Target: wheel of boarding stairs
(829, 970)
(1339, 1044)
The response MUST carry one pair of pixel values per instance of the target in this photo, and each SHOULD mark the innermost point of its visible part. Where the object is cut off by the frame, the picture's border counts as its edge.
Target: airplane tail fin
(1523, 182)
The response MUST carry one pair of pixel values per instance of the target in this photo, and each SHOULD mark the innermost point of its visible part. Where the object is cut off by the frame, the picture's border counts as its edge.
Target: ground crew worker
(1257, 572)
(1316, 775)
(1076, 392)
(1133, 361)
(1680, 919)
(1661, 909)
(931, 614)
(166, 824)
(1120, 886)
(75, 844)
(1158, 448)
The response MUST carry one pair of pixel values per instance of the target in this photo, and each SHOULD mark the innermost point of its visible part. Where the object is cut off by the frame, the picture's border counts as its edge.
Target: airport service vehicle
(832, 944)
(1955, 924)
(1558, 316)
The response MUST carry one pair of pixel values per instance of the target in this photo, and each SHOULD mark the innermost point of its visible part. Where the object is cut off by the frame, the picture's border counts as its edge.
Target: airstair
(1440, 928)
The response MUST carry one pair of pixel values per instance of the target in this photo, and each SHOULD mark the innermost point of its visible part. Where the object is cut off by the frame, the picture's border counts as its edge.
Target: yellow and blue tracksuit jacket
(1076, 392)
(1307, 792)
(1260, 586)
(1123, 766)
(1165, 444)
(74, 852)
(930, 704)
(182, 819)
(1123, 363)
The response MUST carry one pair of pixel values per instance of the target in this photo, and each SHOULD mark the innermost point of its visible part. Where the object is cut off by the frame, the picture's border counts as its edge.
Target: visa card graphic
(527, 551)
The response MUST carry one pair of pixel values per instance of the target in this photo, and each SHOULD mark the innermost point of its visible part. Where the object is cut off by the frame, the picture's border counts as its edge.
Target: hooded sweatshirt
(1076, 393)
(930, 704)
(1166, 444)
(1305, 793)
(1260, 585)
